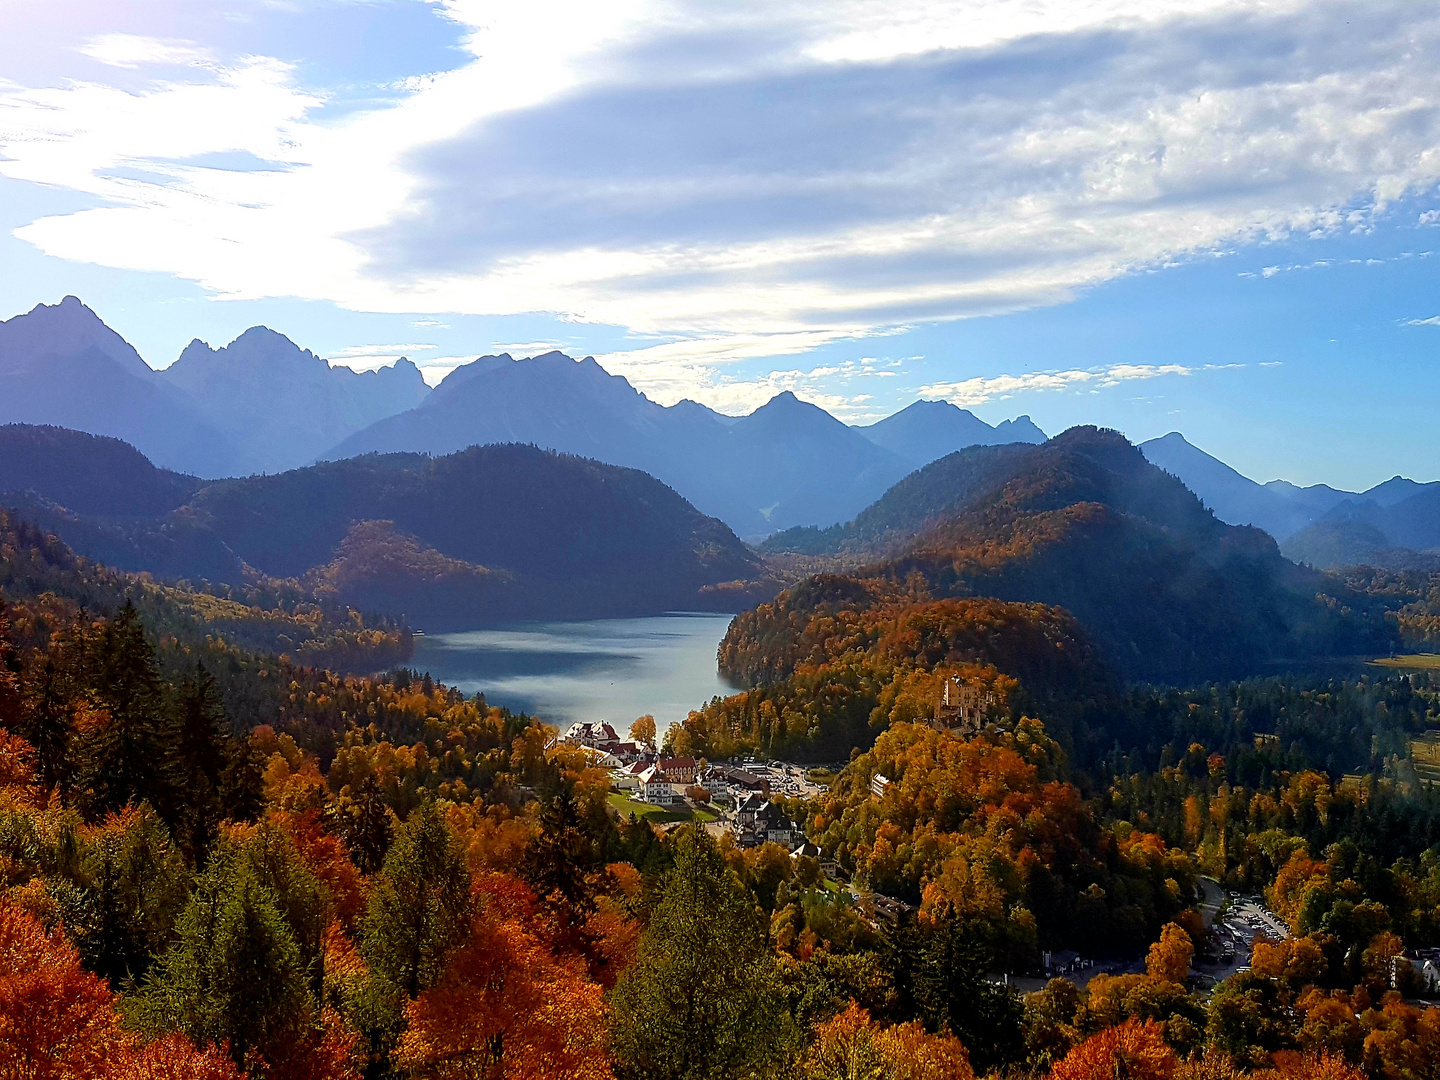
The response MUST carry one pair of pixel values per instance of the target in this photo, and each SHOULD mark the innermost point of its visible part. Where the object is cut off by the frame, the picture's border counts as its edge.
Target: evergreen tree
(953, 995)
(201, 760)
(363, 822)
(419, 905)
(556, 864)
(131, 756)
(45, 725)
(235, 973)
(136, 886)
(242, 784)
(10, 705)
(703, 999)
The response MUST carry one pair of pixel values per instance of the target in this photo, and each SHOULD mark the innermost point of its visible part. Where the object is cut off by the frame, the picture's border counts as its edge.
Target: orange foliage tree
(506, 1007)
(59, 1022)
(1130, 1051)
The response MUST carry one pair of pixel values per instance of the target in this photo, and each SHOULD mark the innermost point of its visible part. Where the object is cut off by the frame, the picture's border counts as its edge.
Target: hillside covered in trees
(1165, 590)
(491, 533)
(217, 861)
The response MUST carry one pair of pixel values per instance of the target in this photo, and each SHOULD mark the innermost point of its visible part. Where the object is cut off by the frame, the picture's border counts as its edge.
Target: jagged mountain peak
(51, 331)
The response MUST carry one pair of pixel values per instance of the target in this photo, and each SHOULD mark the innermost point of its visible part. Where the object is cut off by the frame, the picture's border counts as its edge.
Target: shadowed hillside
(1165, 589)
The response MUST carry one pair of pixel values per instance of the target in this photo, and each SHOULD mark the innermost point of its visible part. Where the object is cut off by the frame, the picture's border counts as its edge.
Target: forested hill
(89, 474)
(1165, 589)
(491, 533)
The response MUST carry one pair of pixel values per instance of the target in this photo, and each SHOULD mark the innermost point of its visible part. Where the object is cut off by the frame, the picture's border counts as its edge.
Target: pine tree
(363, 822)
(10, 703)
(703, 998)
(201, 759)
(45, 725)
(952, 994)
(235, 972)
(419, 905)
(129, 758)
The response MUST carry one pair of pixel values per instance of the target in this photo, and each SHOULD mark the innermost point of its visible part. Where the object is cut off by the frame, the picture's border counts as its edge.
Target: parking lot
(785, 778)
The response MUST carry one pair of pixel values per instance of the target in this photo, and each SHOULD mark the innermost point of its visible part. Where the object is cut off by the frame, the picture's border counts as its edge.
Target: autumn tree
(56, 1019)
(852, 1047)
(1169, 958)
(505, 1006)
(643, 730)
(1131, 1051)
(703, 997)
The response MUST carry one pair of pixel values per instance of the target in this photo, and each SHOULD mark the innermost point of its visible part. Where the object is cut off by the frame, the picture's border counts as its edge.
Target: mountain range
(262, 404)
(787, 463)
(489, 534)
(1393, 525)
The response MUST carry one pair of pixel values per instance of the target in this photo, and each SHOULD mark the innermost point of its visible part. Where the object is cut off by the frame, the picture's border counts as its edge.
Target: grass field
(657, 815)
(1424, 661)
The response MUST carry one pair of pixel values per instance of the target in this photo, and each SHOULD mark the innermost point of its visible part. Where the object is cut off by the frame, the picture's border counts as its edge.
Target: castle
(962, 708)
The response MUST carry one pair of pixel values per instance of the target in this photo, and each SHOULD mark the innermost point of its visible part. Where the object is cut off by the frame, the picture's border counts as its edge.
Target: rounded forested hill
(89, 474)
(572, 535)
(1085, 522)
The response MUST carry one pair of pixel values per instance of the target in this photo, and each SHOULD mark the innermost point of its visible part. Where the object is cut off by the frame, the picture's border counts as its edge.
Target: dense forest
(219, 859)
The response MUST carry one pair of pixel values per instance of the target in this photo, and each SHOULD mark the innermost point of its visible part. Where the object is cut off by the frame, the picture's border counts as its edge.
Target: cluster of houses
(672, 781)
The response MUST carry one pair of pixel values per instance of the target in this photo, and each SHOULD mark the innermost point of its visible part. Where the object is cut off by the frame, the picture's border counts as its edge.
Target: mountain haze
(928, 430)
(788, 462)
(61, 365)
(283, 404)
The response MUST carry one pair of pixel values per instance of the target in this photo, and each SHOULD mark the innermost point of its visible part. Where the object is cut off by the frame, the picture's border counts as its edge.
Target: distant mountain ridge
(284, 404)
(61, 365)
(259, 404)
(787, 463)
(926, 431)
(263, 404)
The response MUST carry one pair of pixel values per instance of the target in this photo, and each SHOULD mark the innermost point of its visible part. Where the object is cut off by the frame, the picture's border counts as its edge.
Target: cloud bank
(749, 180)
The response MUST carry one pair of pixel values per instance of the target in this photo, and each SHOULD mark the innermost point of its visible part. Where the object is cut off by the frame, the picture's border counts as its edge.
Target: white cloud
(358, 351)
(133, 51)
(661, 166)
(1433, 320)
(968, 393)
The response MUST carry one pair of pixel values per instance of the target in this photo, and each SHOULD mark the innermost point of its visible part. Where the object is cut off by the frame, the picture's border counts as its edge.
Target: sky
(1208, 216)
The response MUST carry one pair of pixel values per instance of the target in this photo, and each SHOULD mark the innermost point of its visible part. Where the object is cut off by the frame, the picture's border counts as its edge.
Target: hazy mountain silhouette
(785, 463)
(61, 365)
(1280, 508)
(928, 430)
(283, 405)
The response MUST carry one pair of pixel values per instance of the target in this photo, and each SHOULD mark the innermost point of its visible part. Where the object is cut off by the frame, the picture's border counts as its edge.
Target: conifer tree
(235, 973)
(130, 757)
(45, 725)
(201, 760)
(10, 705)
(363, 822)
(703, 998)
(419, 905)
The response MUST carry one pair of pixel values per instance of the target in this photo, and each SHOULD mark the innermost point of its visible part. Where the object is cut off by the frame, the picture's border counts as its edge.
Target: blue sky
(1209, 216)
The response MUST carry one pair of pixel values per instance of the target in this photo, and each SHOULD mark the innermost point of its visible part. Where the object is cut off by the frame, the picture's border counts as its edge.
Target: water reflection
(605, 669)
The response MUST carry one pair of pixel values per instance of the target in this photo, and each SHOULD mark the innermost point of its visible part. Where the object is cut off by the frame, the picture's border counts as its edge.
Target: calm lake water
(607, 669)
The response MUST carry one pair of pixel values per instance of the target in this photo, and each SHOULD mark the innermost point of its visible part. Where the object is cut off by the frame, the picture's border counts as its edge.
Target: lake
(604, 669)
